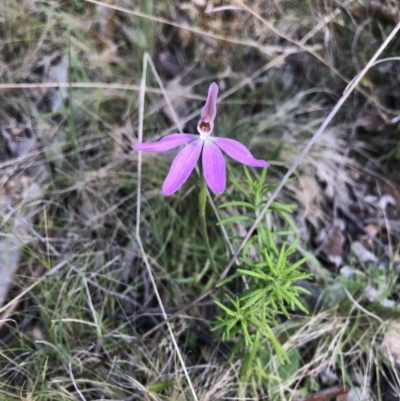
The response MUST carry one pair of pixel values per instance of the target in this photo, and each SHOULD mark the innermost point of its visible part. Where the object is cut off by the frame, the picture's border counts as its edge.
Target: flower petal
(214, 167)
(168, 142)
(182, 167)
(239, 152)
(209, 111)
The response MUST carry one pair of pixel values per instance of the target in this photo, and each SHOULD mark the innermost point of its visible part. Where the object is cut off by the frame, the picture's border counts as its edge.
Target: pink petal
(168, 142)
(239, 152)
(214, 167)
(182, 167)
(209, 111)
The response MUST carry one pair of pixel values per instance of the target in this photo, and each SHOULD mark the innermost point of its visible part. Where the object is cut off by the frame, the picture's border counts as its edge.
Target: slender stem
(203, 221)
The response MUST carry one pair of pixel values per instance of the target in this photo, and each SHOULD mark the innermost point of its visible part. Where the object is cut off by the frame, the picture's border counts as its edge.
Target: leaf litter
(18, 190)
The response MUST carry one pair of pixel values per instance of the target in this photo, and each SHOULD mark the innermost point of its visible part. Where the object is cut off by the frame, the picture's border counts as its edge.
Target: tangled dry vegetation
(74, 293)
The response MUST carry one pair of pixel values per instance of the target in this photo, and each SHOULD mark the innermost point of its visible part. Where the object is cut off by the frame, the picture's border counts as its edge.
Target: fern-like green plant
(271, 275)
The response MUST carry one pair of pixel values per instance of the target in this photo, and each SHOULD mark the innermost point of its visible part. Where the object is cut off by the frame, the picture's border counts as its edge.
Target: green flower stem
(203, 222)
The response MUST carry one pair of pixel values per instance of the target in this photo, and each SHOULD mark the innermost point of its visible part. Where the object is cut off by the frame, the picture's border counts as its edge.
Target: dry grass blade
(138, 220)
(87, 85)
(197, 31)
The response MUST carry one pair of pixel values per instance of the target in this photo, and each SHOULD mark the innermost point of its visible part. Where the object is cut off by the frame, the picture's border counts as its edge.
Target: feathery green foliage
(270, 291)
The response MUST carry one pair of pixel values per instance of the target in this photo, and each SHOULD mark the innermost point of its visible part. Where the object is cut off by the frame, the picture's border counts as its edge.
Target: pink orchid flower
(205, 145)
